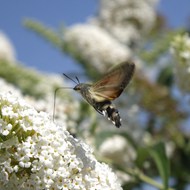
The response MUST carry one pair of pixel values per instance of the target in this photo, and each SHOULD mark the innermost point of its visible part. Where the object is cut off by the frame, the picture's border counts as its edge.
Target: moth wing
(114, 82)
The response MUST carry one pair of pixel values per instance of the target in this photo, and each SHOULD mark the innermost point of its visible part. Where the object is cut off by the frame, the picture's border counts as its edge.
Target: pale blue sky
(33, 51)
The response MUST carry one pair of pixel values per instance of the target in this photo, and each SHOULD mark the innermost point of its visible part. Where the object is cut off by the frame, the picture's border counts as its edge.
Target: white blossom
(117, 148)
(46, 103)
(7, 51)
(127, 20)
(180, 46)
(6, 87)
(95, 46)
(37, 154)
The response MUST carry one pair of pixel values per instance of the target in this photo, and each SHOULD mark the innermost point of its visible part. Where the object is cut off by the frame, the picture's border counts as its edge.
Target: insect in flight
(109, 87)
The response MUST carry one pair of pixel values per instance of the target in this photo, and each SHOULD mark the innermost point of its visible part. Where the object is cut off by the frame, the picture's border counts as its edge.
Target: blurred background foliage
(153, 145)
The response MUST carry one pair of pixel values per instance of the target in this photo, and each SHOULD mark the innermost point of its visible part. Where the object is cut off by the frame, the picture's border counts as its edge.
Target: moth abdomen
(113, 115)
(108, 109)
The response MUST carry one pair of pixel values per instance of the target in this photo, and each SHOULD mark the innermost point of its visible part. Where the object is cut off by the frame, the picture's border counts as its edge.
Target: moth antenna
(70, 78)
(54, 98)
(77, 79)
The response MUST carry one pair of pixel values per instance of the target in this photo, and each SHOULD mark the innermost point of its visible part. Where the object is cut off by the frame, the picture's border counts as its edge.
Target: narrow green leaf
(158, 153)
(142, 155)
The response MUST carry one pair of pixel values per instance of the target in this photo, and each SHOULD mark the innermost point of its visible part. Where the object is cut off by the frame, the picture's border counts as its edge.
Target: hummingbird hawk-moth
(101, 93)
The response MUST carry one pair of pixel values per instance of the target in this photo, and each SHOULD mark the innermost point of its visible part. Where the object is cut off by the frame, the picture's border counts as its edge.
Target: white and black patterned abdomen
(107, 109)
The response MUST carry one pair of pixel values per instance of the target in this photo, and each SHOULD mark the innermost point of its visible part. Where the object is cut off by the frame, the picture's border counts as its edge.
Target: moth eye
(76, 88)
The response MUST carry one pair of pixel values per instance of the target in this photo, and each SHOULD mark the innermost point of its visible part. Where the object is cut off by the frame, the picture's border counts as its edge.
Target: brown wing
(113, 83)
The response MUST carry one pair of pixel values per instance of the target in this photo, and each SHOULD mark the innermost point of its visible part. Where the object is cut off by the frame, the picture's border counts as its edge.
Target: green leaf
(142, 155)
(44, 31)
(158, 153)
(166, 77)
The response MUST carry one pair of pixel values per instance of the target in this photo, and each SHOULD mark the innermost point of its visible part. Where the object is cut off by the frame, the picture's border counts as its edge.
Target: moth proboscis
(101, 93)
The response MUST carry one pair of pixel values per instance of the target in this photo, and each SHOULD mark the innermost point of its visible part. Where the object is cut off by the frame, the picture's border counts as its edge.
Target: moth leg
(99, 111)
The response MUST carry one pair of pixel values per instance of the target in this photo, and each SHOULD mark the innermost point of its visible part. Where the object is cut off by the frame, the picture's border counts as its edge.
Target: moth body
(109, 87)
(104, 107)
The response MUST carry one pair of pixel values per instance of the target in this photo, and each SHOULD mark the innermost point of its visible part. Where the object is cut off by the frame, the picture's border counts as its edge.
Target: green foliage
(157, 46)
(23, 78)
(158, 153)
(166, 76)
(45, 32)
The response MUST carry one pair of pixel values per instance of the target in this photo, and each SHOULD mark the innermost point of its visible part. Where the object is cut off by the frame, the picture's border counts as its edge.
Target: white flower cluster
(6, 87)
(36, 154)
(96, 46)
(7, 51)
(126, 20)
(64, 97)
(180, 49)
(47, 102)
(180, 46)
(115, 148)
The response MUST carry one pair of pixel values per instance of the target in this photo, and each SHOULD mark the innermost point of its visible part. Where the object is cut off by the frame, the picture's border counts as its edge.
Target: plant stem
(140, 175)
